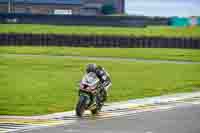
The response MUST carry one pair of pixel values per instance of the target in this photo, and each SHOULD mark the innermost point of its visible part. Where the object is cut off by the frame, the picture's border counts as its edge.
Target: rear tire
(98, 106)
(95, 111)
(80, 107)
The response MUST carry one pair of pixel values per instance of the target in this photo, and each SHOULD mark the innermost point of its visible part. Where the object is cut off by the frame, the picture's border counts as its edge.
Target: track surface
(105, 58)
(182, 119)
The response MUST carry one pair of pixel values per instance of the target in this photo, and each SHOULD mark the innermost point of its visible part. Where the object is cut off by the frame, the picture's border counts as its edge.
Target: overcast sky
(163, 7)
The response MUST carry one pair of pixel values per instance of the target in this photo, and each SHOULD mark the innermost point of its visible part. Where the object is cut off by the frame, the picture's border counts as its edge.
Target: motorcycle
(90, 95)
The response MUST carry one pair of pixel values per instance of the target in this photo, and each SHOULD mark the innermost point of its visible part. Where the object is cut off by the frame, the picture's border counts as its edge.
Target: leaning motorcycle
(90, 95)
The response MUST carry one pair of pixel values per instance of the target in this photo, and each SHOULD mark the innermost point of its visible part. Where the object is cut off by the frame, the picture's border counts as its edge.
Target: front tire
(80, 107)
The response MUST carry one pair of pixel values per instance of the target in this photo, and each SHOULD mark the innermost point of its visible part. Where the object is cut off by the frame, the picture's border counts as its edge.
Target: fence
(98, 41)
(123, 21)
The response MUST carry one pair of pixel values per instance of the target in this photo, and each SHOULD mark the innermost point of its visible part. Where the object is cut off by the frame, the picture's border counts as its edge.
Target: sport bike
(90, 94)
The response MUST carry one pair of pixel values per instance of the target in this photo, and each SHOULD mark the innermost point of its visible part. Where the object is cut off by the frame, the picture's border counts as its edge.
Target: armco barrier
(98, 41)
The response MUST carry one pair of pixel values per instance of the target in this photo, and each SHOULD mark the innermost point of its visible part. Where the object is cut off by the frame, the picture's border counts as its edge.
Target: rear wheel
(95, 111)
(98, 106)
(80, 107)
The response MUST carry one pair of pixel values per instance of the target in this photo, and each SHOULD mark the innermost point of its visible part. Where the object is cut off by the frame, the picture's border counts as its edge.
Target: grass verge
(143, 53)
(92, 30)
(41, 85)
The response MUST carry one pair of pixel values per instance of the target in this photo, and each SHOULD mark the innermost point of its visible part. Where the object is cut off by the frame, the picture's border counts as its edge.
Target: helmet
(91, 68)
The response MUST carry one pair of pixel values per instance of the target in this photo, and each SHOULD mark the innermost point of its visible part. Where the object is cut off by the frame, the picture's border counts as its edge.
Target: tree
(108, 9)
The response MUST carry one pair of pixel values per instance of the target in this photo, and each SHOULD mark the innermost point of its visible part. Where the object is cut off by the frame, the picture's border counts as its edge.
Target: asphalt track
(104, 58)
(182, 119)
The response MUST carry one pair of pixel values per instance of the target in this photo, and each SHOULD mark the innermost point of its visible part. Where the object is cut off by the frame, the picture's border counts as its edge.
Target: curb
(116, 106)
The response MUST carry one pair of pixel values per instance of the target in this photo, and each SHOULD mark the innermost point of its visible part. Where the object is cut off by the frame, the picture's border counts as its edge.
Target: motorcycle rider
(103, 76)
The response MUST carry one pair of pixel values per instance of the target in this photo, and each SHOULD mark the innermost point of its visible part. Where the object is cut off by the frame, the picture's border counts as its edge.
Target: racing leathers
(104, 79)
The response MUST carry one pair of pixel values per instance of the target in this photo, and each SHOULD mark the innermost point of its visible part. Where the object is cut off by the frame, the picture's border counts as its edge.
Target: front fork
(91, 101)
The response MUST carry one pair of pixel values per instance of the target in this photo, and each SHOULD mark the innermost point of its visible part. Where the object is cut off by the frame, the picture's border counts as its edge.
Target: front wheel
(80, 107)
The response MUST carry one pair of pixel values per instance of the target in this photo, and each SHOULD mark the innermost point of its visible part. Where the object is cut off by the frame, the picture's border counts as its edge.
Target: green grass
(144, 53)
(92, 30)
(41, 85)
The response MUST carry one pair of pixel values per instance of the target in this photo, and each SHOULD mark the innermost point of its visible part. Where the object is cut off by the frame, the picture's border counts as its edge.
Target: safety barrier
(99, 41)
